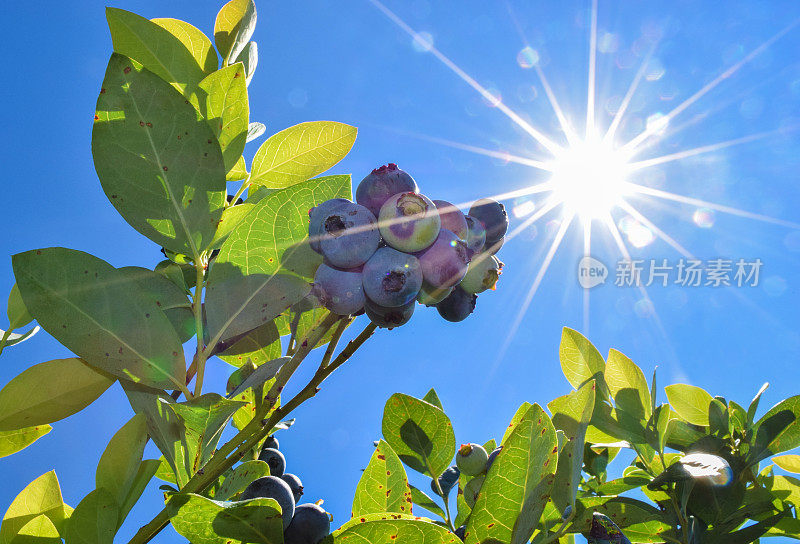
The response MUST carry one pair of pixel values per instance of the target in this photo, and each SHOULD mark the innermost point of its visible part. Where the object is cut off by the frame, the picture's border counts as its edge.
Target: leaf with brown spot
(383, 486)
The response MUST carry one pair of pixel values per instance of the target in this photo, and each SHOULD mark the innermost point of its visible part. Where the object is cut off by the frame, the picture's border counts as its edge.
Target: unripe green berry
(472, 489)
(482, 274)
(471, 459)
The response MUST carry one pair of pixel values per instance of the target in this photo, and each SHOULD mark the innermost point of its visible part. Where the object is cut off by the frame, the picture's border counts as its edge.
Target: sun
(589, 178)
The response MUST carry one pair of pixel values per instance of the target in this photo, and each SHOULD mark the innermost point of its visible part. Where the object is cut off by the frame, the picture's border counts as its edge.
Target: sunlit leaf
(120, 461)
(628, 385)
(18, 315)
(777, 431)
(301, 152)
(420, 498)
(240, 478)
(580, 360)
(394, 528)
(94, 520)
(259, 346)
(39, 530)
(690, 402)
(193, 39)
(789, 463)
(144, 474)
(249, 58)
(41, 496)
(206, 521)
(13, 441)
(383, 486)
(234, 27)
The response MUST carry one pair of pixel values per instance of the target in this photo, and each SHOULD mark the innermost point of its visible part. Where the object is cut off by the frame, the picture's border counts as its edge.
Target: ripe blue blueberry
(391, 278)
(349, 236)
(493, 216)
(272, 442)
(484, 270)
(316, 219)
(452, 218)
(472, 489)
(492, 457)
(444, 264)
(471, 459)
(409, 222)
(457, 306)
(272, 487)
(461, 532)
(431, 296)
(294, 484)
(340, 291)
(310, 525)
(382, 183)
(604, 531)
(389, 318)
(275, 460)
(493, 247)
(476, 234)
(447, 480)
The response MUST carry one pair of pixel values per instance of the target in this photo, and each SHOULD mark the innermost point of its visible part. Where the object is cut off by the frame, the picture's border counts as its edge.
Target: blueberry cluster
(394, 246)
(305, 523)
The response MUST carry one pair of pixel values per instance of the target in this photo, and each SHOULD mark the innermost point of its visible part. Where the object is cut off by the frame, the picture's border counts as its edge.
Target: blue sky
(346, 61)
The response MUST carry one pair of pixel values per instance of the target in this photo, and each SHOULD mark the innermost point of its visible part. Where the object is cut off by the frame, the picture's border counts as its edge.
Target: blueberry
(389, 318)
(461, 532)
(392, 278)
(494, 247)
(431, 296)
(492, 457)
(294, 484)
(275, 460)
(271, 487)
(493, 216)
(272, 442)
(349, 236)
(310, 525)
(458, 305)
(484, 270)
(409, 222)
(444, 264)
(447, 480)
(472, 489)
(238, 200)
(382, 183)
(476, 234)
(316, 219)
(452, 218)
(340, 291)
(604, 530)
(471, 459)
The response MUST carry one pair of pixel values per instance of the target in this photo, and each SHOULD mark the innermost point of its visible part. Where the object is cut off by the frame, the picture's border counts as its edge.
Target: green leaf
(628, 385)
(231, 217)
(96, 313)
(18, 315)
(690, 402)
(641, 522)
(718, 418)
(234, 27)
(383, 486)
(39, 530)
(394, 528)
(580, 360)
(144, 474)
(156, 48)
(737, 420)
(13, 441)
(94, 520)
(255, 130)
(238, 172)
(433, 398)
(8, 338)
(169, 297)
(41, 496)
(240, 478)
(260, 375)
(420, 433)
(249, 58)
(204, 418)
(259, 346)
(680, 435)
(261, 267)
(301, 152)
(777, 431)
(571, 414)
(518, 484)
(420, 498)
(206, 521)
(160, 164)
(518, 416)
(656, 429)
(753, 408)
(222, 98)
(197, 43)
(49, 392)
(789, 463)
(120, 461)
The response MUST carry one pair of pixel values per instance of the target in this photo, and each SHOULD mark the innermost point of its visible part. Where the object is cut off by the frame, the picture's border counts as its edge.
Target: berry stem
(197, 308)
(245, 185)
(337, 334)
(249, 437)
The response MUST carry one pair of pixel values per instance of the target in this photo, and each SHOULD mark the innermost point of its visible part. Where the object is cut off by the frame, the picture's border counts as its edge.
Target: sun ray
(566, 126)
(612, 129)
(592, 71)
(711, 205)
(587, 250)
(638, 165)
(546, 142)
(708, 87)
(652, 226)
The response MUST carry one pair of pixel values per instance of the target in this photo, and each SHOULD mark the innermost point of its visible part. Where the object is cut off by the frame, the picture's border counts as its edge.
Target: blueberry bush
(269, 278)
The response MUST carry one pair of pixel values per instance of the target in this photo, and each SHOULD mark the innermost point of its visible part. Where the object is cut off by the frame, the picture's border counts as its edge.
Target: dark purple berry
(310, 525)
(272, 487)
(392, 278)
(492, 457)
(444, 264)
(381, 184)
(389, 318)
(316, 218)
(275, 460)
(349, 236)
(476, 234)
(340, 291)
(461, 532)
(294, 484)
(457, 306)
(452, 218)
(447, 480)
(493, 216)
